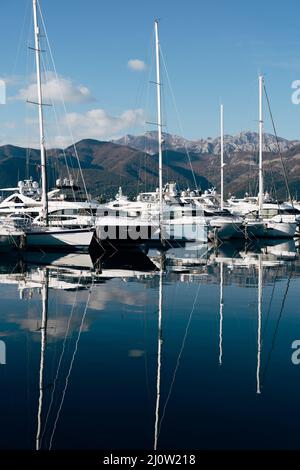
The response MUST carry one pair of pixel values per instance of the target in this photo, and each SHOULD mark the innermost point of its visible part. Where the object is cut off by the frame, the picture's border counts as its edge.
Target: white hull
(120, 229)
(57, 238)
(280, 229)
(187, 231)
(225, 230)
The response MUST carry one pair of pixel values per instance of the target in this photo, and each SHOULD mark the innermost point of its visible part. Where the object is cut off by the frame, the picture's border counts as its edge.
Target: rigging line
(178, 117)
(179, 358)
(146, 335)
(147, 107)
(27, 80)
(55, 162)
(57, 127)
(71, 365)
(61, 358)
(63, 102)
(277, 325)
(55, 302)
(22, 30)
(278, 147)
(57, 123)
(273, 178)
(28, 352)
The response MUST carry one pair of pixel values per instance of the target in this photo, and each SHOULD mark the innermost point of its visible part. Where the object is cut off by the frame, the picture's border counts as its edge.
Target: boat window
(270, 212)
(17, 200)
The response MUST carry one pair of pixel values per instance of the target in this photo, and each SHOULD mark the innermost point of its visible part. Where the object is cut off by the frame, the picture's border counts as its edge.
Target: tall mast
(222, 155)
(41, 116)
(261, 124)
(159, 125)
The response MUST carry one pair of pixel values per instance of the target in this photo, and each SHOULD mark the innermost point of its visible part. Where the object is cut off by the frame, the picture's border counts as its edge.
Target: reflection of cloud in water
(105, 294)
(57, 326)
(136, 353)
(65, 308)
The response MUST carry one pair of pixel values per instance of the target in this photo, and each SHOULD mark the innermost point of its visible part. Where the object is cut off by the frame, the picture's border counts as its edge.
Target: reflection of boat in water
(66, 273)
(270, 252)
(199, 258)
(72, 271)
(182, 258)
(169, 369)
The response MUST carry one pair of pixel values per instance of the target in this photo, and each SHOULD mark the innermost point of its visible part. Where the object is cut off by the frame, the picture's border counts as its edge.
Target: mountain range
(132, 162)
(243, 142)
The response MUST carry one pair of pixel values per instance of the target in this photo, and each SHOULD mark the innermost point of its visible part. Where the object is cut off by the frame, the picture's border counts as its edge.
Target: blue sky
(214, 52)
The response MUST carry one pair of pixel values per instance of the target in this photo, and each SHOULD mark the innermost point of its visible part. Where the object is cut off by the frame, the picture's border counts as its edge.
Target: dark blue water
(94, 385)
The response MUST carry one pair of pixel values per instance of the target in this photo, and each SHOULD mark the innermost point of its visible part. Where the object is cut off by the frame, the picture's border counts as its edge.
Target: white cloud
(136, 64)
(54, 89)
(94, 124)
(97, 123)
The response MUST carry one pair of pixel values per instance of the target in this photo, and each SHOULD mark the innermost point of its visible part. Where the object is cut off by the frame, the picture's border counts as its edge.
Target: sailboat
(159, 215)
(66, 206)
(279, 221)
(175, 221)
(223, 224)
(43, 235)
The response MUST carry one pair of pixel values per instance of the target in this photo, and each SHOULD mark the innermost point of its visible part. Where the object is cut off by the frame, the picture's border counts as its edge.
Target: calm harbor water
(186, 349)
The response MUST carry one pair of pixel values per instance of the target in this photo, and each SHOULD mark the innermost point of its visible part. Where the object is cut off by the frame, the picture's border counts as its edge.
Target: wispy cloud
(54, 90)
(97, 123)
(136, 65)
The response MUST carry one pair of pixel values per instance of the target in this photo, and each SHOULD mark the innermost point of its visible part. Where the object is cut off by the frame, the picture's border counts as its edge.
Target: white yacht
(279, 221)
(40, 233)
(67, 207)
(222, 224)
(141, 219)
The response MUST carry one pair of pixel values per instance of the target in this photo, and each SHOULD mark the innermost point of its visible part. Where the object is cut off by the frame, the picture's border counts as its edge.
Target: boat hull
(10, 242)
(59, 239)
(187, 231)
(280, 230)
(253, 229)
(225, 230)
